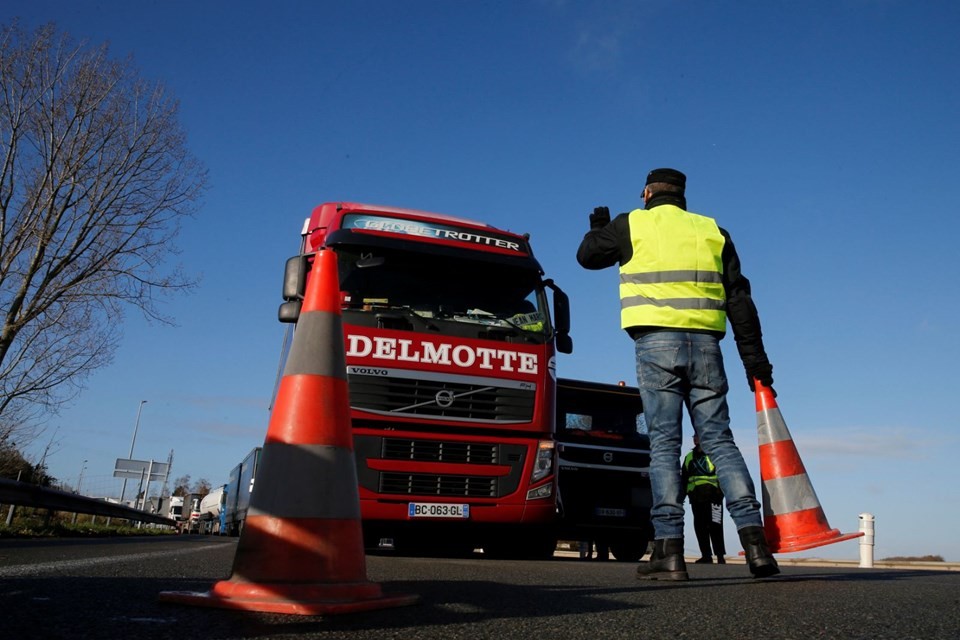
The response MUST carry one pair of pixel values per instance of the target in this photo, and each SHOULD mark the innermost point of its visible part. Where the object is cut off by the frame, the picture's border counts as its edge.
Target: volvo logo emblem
(608, 456)
(444, 398)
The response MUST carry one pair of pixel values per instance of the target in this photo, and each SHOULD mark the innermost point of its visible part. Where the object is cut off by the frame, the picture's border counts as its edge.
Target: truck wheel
(525, 547)
(629, 550)
(432, 546)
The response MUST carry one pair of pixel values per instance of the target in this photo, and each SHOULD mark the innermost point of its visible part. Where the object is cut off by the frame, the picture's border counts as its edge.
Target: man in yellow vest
(699, 477)
(680, 280)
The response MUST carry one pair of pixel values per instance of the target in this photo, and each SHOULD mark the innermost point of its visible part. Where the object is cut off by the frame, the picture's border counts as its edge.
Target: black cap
(669, 176)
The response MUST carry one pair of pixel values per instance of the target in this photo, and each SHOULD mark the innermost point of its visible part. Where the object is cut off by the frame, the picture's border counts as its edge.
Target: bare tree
(201, 487)
(95, 180)
(181, 486)
(12, 463)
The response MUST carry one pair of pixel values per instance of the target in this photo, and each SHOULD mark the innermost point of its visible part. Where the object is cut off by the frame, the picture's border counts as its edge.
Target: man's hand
(599, 218)
(762, 372)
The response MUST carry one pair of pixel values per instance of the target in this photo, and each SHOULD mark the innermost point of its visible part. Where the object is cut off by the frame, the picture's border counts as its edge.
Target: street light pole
(77, 490)
(83, 468)
(136, 427)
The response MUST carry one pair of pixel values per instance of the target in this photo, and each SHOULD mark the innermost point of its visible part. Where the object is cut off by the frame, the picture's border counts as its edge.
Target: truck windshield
(592, 410)
(597, 421)
(431, 291)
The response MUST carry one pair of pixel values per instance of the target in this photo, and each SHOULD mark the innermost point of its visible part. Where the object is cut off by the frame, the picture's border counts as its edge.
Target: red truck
(451, 361)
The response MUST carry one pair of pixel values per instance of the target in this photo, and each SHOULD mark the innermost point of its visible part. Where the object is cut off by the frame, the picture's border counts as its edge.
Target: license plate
(611, 513)
(438, 510)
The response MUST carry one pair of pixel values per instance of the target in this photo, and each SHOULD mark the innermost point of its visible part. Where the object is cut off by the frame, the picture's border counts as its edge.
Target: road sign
(136, 469)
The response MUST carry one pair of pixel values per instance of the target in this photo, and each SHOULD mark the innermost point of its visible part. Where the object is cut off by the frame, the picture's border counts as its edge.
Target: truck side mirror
(561, 318)
(293, 278)
(564, 343)
(294, 286)
(289, 311)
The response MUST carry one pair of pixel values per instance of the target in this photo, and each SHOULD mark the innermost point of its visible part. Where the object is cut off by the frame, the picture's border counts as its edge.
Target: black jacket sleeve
(742, 313)
(606, 246)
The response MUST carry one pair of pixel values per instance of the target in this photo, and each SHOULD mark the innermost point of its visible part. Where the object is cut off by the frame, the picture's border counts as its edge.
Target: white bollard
(866, 542)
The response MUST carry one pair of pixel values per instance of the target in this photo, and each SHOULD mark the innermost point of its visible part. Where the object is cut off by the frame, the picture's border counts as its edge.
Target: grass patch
(913, 559)
(39, 523)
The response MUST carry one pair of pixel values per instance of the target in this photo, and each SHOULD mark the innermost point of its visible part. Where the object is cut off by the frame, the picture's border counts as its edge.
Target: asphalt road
(109, 589)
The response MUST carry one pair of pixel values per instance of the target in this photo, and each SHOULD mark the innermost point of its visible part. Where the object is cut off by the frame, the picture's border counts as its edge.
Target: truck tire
(523, 547)
(432, 546)
(629, 550)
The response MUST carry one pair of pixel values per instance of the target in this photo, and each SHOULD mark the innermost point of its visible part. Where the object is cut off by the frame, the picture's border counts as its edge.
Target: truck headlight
(543, 491)
(543, 465)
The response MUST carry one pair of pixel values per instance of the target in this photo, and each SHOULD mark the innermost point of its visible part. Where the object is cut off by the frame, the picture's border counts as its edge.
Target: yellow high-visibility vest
(674, 278)
(707, 475)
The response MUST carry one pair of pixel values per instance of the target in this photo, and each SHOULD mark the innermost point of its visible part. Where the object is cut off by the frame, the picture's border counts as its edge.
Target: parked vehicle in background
(604, 467)
(212, 512)
(237, 491)
(175, 511)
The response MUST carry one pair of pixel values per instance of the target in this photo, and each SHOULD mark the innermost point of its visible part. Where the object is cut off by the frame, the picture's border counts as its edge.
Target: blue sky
(823, 135)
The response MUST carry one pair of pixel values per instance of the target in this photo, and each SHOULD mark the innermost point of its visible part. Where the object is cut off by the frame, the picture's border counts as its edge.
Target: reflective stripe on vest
(673, 278)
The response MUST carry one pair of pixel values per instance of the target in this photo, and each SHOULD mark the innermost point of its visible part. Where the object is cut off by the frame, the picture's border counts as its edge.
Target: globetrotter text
(461, 355)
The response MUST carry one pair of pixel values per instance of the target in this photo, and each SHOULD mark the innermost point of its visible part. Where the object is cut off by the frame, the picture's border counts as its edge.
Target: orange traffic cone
(792, 516)
(301, 547)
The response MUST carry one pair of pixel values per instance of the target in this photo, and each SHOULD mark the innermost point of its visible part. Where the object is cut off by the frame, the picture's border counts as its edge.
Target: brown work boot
(666, 562)
(761, 562)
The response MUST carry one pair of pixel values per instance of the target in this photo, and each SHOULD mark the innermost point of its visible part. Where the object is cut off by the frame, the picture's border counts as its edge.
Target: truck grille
(423, 479)
(439, 451)
(440, 399)
(437, 485)
(571, 454)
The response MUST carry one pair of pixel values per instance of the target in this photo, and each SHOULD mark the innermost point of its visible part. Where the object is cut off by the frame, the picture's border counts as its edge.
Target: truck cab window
(483, 296)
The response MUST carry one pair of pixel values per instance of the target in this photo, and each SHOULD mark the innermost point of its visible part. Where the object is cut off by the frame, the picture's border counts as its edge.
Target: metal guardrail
(31, 495)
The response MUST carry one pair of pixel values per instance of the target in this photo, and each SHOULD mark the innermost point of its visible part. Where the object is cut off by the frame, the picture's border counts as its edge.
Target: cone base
(334, 600)
(809, 542)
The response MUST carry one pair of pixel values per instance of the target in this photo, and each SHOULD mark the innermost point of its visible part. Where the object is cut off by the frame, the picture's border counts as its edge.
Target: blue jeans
(677, 369)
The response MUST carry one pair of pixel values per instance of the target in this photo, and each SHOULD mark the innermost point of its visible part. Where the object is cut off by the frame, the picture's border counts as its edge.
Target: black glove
(763, 372)
(599, 218)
